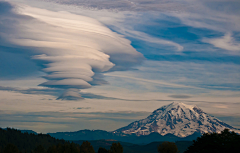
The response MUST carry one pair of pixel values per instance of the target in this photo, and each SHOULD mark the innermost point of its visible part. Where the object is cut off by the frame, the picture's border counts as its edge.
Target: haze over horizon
(68, 65)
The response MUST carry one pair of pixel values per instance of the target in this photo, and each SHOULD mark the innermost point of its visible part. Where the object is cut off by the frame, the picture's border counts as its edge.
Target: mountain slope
(178, 119)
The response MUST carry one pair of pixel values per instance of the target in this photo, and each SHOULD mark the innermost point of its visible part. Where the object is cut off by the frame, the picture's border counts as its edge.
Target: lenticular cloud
(72, 50)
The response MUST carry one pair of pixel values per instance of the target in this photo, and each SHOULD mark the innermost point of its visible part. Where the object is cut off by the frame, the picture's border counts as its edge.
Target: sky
(69, 65)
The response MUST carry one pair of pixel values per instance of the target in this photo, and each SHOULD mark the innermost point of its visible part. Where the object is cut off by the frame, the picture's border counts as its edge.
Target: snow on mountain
(178, 119)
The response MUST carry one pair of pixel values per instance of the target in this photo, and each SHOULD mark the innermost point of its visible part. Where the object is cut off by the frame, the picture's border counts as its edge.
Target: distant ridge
(29, 132)
(90, 135)
(179, 119)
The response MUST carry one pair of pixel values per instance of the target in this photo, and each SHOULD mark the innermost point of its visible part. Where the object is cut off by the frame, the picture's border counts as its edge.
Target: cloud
(49, 121)
(226, 42)
(221, 16)
(35, 91)
(125, 5)
(163, 83)
(124, 22)
(70, 94)
(65, 121)
(8, 88)
(147, 38)
(72, 50)
(180, 96)
(83, 108)
(95, 96)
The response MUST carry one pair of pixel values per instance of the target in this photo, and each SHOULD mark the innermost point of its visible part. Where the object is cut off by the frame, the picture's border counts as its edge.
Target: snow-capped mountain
(178, 119)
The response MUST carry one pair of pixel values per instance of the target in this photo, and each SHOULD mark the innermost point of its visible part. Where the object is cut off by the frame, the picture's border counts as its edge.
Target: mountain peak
(176, 118)
(177, 105)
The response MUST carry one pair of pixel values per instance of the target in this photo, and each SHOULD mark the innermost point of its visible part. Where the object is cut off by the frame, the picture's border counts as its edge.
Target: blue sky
(77, 65)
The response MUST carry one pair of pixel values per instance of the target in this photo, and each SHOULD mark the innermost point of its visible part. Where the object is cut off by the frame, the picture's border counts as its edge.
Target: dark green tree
(26, 142)
(10, 148)
(52, 149)
(74, 148)
(116, 148)
(223, 142)
(39, 149)
(86, 147)
(168, 147)
(102, 150)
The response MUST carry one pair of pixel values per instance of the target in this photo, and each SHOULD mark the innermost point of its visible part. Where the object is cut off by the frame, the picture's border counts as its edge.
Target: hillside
(26, 142)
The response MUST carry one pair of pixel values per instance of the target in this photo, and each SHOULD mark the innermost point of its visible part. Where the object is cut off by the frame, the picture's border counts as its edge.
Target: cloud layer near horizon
(72, 50)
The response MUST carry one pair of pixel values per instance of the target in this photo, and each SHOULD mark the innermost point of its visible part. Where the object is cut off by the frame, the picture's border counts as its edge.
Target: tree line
(224, 142)
(14, 141)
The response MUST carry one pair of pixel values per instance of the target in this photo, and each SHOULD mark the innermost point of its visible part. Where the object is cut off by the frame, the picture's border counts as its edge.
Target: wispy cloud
(179, 77)
(150, 39)
(226, 42)
(126, 5)
(188, 46)
(71, 49)
(36, 91)
(49, 121)
(180, 96)
(153, 81)
(220, 15)
(64, 121)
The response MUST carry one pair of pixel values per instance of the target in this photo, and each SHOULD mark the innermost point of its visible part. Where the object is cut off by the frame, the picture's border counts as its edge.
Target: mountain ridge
(90, 135)
(178, 119)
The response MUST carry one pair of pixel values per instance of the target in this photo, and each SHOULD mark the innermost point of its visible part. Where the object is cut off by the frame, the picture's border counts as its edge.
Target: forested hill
(26, 142)
(15, 141)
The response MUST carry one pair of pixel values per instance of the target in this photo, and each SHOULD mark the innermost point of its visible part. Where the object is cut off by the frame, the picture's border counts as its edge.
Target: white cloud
(72, 47)
(218, 15)
(226, 42)
(126, 5)
(147, 38)
(71, 94)
(163, 83)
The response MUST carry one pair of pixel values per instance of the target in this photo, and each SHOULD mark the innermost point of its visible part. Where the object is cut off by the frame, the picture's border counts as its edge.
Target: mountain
(84, 135)
(179, 119)
(173, 122)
